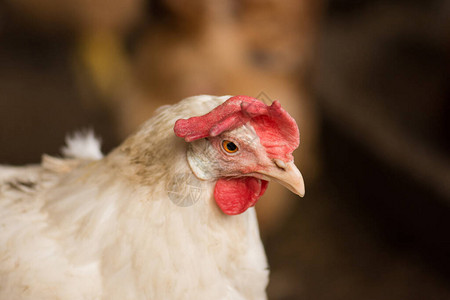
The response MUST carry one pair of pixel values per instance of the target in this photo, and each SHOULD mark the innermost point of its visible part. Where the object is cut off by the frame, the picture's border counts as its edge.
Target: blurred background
(367, 81)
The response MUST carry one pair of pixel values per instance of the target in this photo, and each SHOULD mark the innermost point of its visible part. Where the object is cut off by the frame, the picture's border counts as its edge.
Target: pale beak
(286, 174)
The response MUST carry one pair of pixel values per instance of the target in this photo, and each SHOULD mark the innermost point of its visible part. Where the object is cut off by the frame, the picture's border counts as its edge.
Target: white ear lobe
(200, 160)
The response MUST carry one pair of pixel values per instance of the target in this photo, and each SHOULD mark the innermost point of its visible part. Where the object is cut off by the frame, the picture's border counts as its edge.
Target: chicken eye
(229, 146)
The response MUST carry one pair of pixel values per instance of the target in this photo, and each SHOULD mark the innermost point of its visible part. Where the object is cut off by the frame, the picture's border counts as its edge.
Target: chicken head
(242, 144)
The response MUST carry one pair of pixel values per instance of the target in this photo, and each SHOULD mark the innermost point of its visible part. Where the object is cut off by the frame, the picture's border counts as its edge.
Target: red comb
(276, 129)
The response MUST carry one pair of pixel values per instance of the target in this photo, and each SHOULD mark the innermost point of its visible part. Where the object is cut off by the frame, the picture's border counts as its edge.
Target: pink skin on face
(234, 195)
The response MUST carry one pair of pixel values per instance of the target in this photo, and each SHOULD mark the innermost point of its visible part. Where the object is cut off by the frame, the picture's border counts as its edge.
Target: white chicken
(159, 217)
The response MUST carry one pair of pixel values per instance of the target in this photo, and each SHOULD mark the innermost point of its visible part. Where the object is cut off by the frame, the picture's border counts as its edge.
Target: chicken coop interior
(367, 82)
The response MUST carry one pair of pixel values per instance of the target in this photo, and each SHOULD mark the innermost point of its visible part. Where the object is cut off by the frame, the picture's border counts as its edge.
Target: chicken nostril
(280, 164)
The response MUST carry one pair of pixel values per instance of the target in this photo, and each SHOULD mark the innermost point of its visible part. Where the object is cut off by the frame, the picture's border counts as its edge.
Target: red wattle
(236, 195)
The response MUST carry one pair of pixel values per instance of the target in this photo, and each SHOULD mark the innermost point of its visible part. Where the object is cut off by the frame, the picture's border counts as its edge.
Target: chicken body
(136, 224)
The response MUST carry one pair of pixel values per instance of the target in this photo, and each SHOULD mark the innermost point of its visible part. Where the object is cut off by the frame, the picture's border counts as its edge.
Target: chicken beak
(286, 174)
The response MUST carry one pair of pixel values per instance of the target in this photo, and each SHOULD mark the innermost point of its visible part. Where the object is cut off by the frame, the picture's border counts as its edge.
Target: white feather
(82, 144)
(107, 229)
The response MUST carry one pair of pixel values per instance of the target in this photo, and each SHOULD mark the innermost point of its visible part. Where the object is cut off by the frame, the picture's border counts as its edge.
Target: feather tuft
(82, 144)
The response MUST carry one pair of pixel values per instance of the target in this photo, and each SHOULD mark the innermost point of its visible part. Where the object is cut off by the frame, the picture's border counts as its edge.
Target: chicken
(166, 215)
